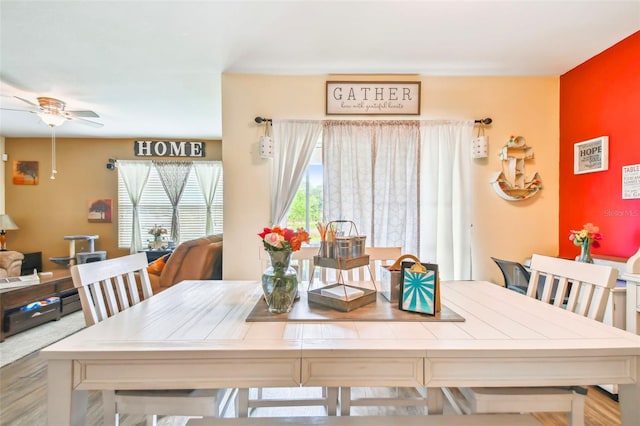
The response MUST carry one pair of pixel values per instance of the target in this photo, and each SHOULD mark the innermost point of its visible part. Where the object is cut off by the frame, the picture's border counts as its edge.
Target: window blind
(155, 209)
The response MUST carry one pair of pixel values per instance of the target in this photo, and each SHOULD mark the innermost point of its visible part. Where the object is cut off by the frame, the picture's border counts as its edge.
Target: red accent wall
(601, 97)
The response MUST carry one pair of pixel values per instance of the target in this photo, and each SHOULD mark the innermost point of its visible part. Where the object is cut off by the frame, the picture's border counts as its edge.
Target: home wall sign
(373, 98)
(591, 156)
(168, 149)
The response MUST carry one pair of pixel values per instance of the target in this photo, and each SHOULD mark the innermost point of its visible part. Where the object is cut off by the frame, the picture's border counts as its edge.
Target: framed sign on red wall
(591, 156)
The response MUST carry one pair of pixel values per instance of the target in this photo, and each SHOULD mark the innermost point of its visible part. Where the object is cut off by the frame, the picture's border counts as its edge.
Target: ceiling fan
(53, 113)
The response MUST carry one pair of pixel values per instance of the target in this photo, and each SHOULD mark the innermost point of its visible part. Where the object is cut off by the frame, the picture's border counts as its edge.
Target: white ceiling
(153, 68)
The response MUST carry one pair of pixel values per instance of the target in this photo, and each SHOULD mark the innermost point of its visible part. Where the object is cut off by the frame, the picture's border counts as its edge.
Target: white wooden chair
(378, 257)
(108, 287)
(586, 288)
(356, 396)
(250, 399)
(302, 261)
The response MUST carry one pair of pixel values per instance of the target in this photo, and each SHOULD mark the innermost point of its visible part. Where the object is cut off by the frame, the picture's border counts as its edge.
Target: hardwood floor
(23, 402)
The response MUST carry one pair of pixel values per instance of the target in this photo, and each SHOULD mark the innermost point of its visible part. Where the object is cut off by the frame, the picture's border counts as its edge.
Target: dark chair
(516, 276)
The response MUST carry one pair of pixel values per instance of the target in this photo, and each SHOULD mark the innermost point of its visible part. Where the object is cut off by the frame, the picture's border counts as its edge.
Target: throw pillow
(157, 265)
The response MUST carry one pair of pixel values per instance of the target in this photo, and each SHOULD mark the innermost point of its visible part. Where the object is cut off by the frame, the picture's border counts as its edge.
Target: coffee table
(57, 285)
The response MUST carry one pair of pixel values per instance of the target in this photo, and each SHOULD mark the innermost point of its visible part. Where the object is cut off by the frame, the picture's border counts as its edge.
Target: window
(306, 208)
(155, 209)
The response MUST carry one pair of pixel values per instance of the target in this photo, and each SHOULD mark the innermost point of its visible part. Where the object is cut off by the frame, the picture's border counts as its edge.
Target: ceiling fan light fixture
(52, 120)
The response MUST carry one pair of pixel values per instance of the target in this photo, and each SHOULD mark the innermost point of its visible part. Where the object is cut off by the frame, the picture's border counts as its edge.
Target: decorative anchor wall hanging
(511, 183)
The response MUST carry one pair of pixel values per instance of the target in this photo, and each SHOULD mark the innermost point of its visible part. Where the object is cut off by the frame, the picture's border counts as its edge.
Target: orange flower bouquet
(280, 281)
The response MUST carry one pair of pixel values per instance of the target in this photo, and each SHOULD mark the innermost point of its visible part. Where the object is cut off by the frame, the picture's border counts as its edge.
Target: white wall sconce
(265, 142)
(266, 146)
(480, 144)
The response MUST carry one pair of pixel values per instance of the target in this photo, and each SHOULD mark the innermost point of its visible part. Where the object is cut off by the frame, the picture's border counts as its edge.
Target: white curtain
(293, 142)
(371, 178)
(208, 174)
(445, 196)
(174, 175)
(134, 174)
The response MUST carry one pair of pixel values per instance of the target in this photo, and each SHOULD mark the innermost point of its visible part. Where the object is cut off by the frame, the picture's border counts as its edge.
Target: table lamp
(6, 223)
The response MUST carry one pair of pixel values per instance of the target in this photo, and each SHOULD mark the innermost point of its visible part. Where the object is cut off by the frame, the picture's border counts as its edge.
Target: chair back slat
(302, 260)
(534, 279)
(110, 286)
(92, 298)
(590, 284)
(378, 256)
(109, 294)
(561, 292)
(122, 293)
(549, 279)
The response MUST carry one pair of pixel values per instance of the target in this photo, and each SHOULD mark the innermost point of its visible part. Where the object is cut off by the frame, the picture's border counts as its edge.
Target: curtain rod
(484, 121)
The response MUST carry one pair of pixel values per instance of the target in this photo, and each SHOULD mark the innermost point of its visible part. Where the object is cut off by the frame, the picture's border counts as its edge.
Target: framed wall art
(100, 210)
(25, 173)
(591, 156)
(631, 182)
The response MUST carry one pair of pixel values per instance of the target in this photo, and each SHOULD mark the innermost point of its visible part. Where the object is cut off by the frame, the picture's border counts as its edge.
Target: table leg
(242, 403)
(332, 400)
(65, 406)
(629, 398)
(345, 401)
(435, 401)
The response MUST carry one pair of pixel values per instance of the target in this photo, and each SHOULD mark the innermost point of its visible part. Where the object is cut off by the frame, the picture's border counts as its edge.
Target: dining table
(196, 335)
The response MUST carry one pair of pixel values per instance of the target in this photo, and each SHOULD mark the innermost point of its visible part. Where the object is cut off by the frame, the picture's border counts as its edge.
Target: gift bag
(391, 278)
(420, 288)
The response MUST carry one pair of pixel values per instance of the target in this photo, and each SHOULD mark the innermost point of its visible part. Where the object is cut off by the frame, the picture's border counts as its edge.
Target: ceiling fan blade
(83, 114)
(27, 101)
(16, 109)
(87, 122)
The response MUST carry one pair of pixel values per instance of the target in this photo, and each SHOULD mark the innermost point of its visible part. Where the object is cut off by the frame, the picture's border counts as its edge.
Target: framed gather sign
(373, 98)
(591, 156)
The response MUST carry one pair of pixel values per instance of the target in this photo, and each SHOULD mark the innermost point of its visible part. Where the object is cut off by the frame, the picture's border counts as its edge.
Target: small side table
(155, 254)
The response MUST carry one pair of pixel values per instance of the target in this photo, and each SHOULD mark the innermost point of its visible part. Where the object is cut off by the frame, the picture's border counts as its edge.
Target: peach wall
(526, 106)
(52, 209)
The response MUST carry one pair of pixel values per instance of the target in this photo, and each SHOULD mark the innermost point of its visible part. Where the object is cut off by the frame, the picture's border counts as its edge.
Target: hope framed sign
(591, 156)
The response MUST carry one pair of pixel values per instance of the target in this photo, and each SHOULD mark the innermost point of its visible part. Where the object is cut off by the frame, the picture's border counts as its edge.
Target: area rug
(22, 344)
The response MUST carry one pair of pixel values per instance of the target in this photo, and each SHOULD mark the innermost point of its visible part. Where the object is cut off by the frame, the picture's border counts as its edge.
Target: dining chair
(108, 287)
(379, 257)
(302, 261)
(516, 276)
(327, 397)
(586, 288)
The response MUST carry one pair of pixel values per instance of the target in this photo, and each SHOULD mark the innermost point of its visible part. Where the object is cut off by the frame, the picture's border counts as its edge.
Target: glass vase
(279, 282)
(585, 251)
(156, 243)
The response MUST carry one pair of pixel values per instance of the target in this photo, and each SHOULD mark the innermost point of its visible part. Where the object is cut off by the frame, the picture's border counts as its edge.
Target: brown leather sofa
(10, 263)
(199, 259)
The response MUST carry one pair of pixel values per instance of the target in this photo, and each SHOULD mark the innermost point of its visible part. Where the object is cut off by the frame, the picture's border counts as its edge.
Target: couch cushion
(199, 259)
(157, 265)
(10, 263)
